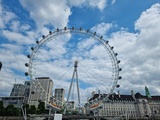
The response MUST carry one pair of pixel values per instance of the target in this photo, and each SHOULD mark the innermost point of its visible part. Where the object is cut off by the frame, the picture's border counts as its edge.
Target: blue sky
(132, 27)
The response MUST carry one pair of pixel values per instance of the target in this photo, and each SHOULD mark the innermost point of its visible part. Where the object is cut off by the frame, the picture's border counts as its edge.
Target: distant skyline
(132, 27)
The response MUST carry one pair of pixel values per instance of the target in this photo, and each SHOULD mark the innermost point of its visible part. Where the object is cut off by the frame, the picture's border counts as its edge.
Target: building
(71, 105)
(59, 96)
(132, 106)
(40, 90)
(27, 90)
(18, 90)
(17, 101)
(18, 96)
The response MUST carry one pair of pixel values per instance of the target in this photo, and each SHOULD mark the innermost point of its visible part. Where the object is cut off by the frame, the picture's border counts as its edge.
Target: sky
(131, 26)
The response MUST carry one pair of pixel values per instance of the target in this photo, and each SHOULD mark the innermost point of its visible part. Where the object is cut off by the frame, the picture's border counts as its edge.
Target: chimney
(93, 93)
(132, 93)
(88, 99)
(119, 94)
(99, 93)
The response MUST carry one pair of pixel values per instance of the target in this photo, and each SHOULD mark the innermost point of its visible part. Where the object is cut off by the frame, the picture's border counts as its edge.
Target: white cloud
(149, 27)
(113, 2)
(5, 16)
(52, 12)
(56, 13)
(76, 3)
(15, 25)
(25, 27)
(17, 37)
(102, 28)
(13, 68)
(100, 4)
(139, 52)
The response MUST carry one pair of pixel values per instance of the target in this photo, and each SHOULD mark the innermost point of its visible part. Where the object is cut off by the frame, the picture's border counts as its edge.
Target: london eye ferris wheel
(79, 61)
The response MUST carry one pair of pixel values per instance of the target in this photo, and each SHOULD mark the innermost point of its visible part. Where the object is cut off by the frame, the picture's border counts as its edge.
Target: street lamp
(0, 65)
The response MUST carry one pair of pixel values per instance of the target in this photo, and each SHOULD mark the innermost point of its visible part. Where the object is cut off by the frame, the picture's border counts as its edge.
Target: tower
(75, 74)
(147, 92)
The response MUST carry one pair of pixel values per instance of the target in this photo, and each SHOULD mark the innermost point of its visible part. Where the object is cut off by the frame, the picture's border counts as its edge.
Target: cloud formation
(137, 50)
(52, 12)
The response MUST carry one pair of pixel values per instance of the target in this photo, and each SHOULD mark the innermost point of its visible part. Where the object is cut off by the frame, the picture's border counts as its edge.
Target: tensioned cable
(70, 30)
(90, 71)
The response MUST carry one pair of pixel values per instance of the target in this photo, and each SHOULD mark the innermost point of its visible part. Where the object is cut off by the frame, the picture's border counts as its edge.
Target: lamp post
(0, 65)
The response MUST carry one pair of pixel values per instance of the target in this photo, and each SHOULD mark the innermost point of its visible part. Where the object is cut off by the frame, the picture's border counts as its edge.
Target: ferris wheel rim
(105, 44)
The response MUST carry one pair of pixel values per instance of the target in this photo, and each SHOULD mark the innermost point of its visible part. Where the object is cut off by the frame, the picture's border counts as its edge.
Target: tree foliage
(1, 108)
(32, 109)
(11, 110)
(41, 108)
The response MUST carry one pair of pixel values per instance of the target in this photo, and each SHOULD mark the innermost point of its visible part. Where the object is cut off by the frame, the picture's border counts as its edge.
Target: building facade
(129, 106)
(59, 96)
(18, 90)
(17, 101)
(40, 90)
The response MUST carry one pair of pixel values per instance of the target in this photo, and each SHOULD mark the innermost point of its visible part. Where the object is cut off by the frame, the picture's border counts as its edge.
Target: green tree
(11, 110)
(1, 108)
(41, 107)
(32, 109)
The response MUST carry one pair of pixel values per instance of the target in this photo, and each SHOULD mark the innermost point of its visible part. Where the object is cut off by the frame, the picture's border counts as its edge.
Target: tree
(1, 108)
(32, 109)
(41, 107)
(11, 110)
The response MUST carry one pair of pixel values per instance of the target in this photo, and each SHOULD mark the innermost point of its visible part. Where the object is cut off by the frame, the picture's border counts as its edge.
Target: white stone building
(129, 106)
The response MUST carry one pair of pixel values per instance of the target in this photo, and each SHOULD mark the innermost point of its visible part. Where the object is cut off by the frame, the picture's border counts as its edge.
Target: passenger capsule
(26, 73)
(120, 69)
(28, 56)
(87, 30)
(50, 32)
(117, 85)
(32, 48)
(119, 77)
(28, 83)
(26, 64)
(37, 41)
(118, 61)
(43, 36)
(116, 54)
(32, 92)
